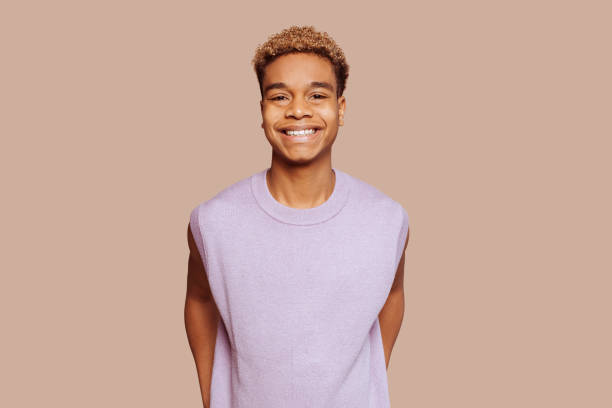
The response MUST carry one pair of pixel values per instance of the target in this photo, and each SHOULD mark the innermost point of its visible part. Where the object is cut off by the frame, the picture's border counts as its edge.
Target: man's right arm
(201, 318)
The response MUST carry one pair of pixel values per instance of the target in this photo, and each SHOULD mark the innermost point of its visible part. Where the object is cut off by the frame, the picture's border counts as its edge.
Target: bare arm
(201, 318)
(392, 313)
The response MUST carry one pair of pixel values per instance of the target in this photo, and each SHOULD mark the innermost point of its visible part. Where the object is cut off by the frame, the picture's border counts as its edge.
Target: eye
(276, 98)
(320, 96)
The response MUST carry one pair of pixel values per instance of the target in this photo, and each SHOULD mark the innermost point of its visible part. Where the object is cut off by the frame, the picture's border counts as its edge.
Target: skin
(298, 88)
(300, 174)
(391, 315)
(201, 318)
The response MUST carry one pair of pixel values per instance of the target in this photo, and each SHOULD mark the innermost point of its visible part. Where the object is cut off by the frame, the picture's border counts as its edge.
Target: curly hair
(301, 39)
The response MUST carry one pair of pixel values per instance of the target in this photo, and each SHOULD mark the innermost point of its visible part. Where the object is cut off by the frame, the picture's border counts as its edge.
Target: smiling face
(300, 110)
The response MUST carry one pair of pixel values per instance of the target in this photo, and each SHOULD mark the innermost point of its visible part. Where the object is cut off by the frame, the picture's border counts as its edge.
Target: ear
(341, 108)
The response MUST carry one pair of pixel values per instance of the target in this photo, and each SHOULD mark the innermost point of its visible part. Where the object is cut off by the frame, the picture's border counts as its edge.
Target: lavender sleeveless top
(299, 292)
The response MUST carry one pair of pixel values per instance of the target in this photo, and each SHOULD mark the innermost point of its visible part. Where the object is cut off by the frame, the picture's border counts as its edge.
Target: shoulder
(371, 199)
(223, 204)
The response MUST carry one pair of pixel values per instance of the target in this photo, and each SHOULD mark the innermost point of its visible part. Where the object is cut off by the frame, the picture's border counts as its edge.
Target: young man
(295, 280)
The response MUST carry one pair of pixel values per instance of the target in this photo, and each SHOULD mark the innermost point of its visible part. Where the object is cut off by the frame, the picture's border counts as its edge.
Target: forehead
(299, 69)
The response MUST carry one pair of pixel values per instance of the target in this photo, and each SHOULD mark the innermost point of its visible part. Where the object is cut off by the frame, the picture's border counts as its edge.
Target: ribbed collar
(301, 216)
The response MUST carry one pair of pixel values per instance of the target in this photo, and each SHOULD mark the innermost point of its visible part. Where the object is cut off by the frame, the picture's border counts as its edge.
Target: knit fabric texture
(299, 292)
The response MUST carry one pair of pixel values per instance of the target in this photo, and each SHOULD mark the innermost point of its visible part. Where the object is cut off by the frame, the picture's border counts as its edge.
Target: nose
(298, 109)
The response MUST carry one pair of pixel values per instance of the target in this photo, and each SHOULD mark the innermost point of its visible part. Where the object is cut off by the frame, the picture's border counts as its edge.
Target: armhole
(196, 231)
(403, 233)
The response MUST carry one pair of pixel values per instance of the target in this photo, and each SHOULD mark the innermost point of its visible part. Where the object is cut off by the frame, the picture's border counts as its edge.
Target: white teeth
(301, 132)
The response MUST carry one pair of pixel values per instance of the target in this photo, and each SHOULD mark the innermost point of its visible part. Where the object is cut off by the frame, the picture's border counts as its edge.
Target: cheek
(329, 114)
(271, 116)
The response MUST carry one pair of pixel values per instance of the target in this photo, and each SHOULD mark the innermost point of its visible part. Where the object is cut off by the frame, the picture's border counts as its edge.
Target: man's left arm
(392, 313)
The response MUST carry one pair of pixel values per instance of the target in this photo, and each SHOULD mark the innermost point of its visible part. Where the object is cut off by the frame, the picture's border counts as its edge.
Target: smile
(301, 136)
(300, 132)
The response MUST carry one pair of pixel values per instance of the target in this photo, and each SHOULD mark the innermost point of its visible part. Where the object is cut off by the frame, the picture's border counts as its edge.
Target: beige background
(489, 121)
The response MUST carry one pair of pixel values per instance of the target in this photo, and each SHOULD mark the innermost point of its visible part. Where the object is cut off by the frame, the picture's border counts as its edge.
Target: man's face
(299, 93)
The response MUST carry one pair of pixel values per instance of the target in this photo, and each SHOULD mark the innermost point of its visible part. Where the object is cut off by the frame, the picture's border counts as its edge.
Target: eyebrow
(313, 84)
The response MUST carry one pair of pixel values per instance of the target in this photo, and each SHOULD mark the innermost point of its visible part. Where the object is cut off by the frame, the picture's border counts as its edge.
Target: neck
(301, 186)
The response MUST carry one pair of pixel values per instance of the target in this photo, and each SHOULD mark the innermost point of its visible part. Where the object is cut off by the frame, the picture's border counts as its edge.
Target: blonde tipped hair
(301, 39)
